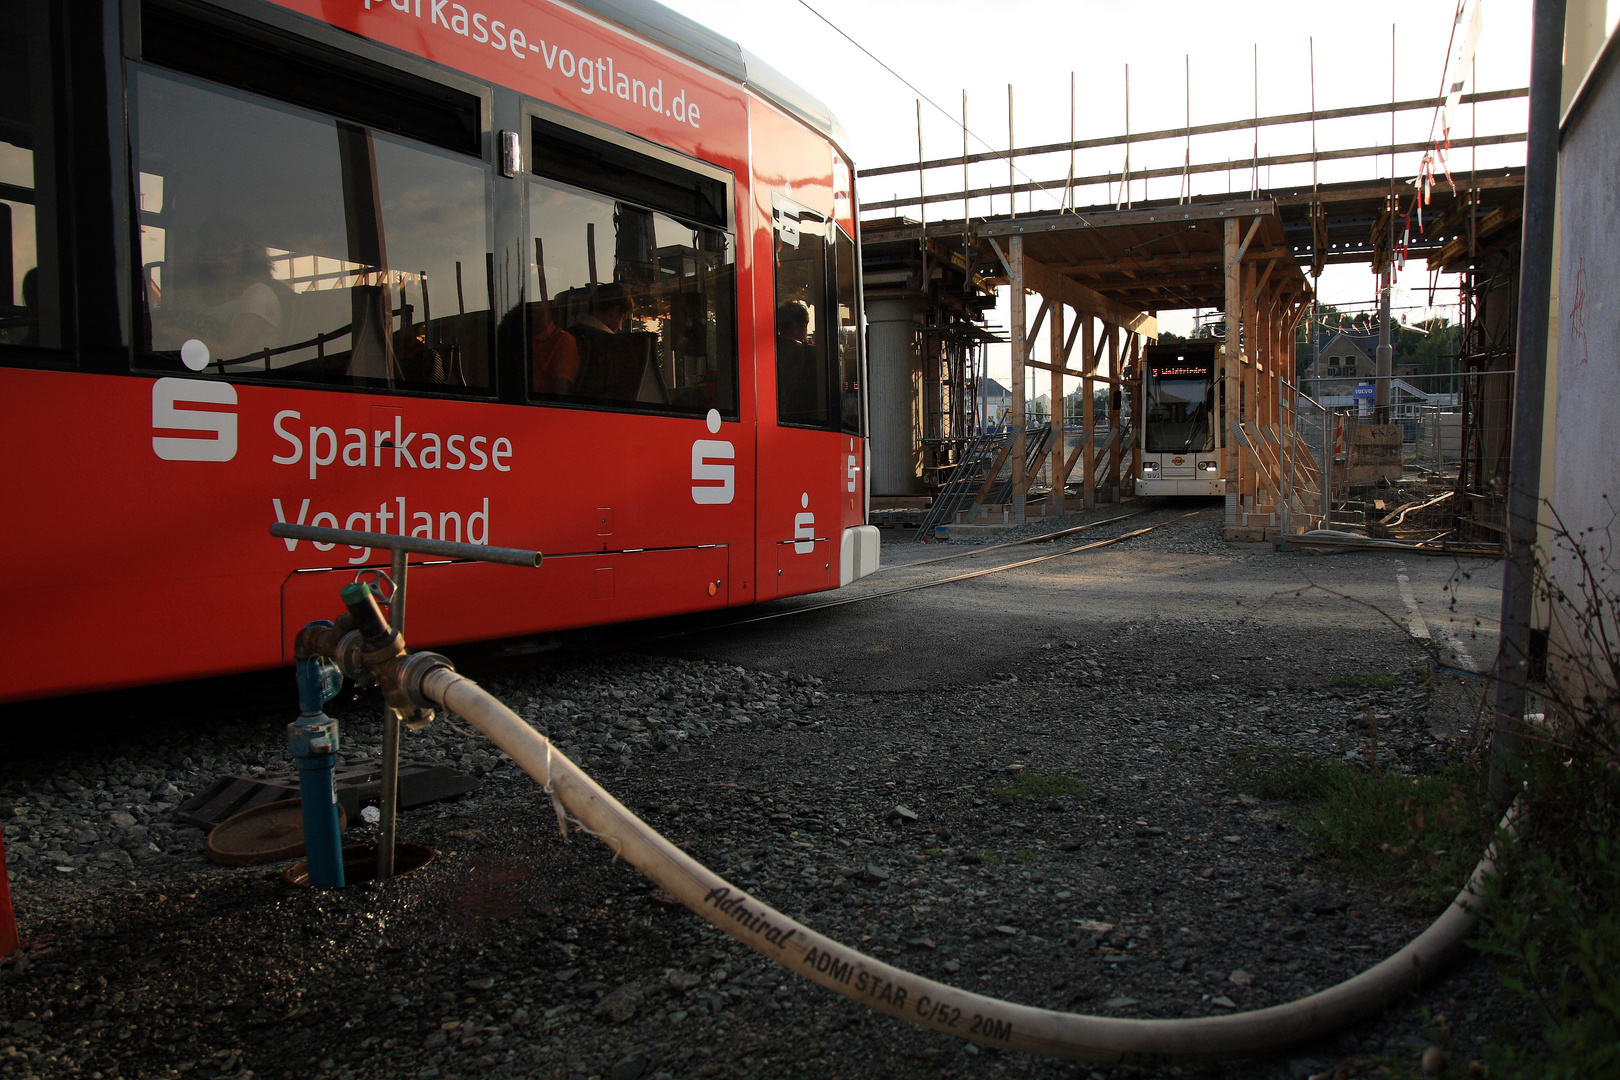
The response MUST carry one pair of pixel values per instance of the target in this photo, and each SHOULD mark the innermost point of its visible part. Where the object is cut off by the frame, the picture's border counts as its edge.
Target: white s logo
(221, 425)
(706, 456)
(804, 528)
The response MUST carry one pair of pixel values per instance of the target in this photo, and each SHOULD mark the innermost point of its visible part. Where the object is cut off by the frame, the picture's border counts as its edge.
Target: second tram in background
(577, 277)
(1182, 440)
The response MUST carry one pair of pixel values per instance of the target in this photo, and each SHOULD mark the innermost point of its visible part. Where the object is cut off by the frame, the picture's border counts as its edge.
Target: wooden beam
(1231, 364)
(1206, 260)
(1092, 221)
(1248, 237)
(1265, 277)
(1035, 331)
(1203, 168)
(1184, 132)
(1057, 288)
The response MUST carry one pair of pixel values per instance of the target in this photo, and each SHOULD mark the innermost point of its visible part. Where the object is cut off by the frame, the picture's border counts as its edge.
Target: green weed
(1417, 836)
(1033, 785)
(1553, 914)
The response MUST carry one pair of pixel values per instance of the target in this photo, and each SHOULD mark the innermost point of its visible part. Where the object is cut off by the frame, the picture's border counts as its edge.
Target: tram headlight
(1149, 467)
(1206, 466)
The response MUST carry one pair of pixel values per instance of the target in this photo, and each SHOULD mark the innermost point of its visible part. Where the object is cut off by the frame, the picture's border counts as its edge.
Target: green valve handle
(361, 601)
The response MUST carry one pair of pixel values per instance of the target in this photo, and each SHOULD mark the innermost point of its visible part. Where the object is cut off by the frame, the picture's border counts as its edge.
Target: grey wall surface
(892, 376)
(1586, 480)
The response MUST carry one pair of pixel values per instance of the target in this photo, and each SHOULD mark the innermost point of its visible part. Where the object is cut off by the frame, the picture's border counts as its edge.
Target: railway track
(879, 594)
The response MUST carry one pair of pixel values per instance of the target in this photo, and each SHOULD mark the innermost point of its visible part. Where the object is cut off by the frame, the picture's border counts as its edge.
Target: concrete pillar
(893, 382)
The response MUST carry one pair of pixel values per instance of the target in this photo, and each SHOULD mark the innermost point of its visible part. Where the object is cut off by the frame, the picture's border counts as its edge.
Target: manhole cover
(273, 832)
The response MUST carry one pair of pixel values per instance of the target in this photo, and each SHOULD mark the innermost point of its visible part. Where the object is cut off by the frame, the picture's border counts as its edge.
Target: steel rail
(1041, 539)
(914, 587)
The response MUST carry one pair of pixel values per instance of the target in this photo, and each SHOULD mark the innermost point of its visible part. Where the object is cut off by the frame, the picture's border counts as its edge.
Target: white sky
(946, 46)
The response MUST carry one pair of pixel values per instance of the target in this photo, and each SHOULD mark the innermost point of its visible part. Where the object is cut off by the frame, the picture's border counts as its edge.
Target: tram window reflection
(849, 332)
(806, 379)
(29, 300)
(628, 307)
(278, 242)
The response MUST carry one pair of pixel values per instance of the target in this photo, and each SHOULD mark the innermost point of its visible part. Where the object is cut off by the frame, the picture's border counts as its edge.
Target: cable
(962, 122)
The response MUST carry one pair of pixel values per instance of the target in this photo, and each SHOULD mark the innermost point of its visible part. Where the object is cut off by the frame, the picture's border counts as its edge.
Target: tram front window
(1179, 407)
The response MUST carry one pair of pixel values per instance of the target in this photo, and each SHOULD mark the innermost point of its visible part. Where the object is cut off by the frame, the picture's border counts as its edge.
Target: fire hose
(364, 647)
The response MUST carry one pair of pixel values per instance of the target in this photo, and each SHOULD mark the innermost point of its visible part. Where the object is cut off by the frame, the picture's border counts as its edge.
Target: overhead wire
(962, 120)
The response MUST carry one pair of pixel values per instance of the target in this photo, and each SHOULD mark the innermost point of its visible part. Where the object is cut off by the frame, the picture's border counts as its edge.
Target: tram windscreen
(1180, 405)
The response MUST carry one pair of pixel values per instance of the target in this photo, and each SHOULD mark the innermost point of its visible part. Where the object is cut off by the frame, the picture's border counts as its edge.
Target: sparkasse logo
(216, 438)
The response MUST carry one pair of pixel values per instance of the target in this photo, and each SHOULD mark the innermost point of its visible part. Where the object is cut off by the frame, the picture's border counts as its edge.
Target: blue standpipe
(313, 743)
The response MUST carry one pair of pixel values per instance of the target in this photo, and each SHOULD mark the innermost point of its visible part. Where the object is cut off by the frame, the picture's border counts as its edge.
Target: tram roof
(697, 42)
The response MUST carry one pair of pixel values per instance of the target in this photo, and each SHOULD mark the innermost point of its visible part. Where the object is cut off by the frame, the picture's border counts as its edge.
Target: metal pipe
(414, 544)
(923, 1001)
(312, 740)
(1524, 471)
(388, 786)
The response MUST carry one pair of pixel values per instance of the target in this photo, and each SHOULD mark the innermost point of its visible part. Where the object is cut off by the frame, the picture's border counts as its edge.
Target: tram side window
(807, 375)
(849, 332)
(29, 313)
(280, 243)
(628, 307)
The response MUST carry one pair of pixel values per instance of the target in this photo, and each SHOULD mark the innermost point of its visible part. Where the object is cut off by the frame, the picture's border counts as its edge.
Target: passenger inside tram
(226, 297)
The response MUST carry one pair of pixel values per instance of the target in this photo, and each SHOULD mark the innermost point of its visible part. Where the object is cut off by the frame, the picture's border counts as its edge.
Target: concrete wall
(1586, 471)
(893, 373)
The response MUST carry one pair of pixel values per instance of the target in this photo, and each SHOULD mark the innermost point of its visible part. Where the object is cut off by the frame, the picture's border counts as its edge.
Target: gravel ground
(907, 823)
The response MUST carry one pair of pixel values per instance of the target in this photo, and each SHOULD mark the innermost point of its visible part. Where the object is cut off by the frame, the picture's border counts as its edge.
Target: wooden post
(1113, 427)
(1230, 366)
(1253, 339)
(1059, 456)
(1133, 391)
(1088, 409)
(1020, 353)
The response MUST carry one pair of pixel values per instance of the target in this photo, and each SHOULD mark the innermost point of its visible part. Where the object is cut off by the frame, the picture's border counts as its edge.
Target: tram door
(810, 423)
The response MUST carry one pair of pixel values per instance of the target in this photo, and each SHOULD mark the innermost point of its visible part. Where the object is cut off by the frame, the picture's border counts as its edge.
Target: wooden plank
(1265, 277)
(1035, 330)
(1159, 265)
(1248, 238)
(1049, 283)
(1300, 158)
(1068, 462)
(1186, 132)
(995, 472)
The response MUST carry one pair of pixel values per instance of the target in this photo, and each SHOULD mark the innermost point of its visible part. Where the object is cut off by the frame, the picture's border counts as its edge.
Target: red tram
(580, 277)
